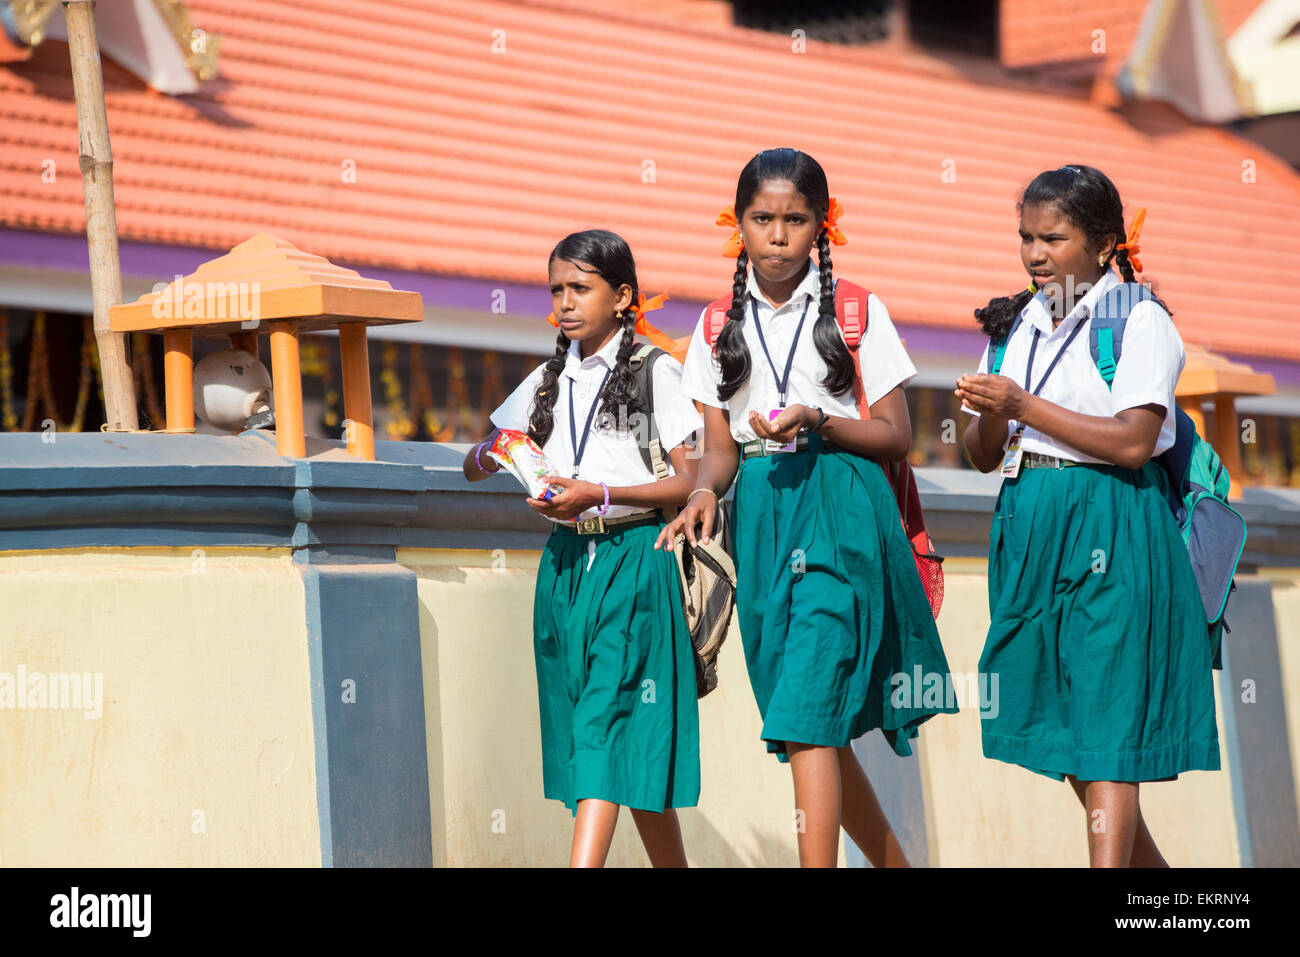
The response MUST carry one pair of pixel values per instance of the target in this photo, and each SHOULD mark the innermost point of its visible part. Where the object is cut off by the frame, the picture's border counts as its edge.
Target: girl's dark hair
(1088, 199)
(607, 255)
(809, 179)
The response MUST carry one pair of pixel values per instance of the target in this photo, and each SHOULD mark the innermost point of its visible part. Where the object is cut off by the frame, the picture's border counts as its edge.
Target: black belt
(597, 525)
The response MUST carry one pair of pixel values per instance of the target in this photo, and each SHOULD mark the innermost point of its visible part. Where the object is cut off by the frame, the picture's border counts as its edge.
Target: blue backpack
(1214, 532)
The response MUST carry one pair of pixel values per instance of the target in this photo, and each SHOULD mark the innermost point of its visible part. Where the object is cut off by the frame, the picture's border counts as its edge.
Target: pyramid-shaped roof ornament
(266, 278)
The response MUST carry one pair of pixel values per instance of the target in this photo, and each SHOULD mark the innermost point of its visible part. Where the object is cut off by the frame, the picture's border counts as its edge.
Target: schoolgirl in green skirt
(829, 602)
(1097, 633)
(615, 663)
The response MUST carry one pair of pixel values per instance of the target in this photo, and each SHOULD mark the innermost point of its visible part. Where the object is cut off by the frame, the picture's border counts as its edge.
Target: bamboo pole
(96, 158)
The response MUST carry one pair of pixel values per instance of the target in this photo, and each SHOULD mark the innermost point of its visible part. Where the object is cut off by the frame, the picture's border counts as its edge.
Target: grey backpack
(707, 572)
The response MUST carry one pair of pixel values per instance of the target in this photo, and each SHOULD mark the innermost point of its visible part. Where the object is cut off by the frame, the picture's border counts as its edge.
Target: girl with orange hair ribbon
(608, 618)
(1098, 633)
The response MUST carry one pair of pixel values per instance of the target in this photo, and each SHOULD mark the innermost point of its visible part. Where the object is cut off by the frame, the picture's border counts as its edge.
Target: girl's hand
(993, 394)
(576, 496)
(784, 427)
(701, 509)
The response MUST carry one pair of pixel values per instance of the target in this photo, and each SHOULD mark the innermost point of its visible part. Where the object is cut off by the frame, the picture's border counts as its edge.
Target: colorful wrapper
(521, 457)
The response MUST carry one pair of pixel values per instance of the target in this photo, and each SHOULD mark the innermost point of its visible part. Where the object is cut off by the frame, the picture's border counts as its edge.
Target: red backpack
(851, 313)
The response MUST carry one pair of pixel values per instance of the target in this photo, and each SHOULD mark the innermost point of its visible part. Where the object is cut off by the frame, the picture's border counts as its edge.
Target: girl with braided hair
(1096, 631)
(829, 602)
(615, 663)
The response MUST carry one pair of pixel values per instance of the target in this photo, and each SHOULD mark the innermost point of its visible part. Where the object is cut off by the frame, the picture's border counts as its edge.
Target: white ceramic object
(230, 386)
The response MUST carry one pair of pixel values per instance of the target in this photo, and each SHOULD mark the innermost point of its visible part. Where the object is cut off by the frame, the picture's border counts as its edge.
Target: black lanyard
(580, 448)
(782, 382)
(1033, 347)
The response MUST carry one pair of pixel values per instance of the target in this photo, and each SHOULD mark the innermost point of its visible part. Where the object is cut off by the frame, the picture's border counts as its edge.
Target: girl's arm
(717, 470)
(490, 466)
(1127, 439)
(886, 435)
(984, 439)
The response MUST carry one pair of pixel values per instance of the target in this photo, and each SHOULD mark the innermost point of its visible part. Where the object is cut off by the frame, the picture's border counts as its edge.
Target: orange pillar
(286, 380)
(360, 431)
(178, 374)
(1227, 440)
(1191, 404)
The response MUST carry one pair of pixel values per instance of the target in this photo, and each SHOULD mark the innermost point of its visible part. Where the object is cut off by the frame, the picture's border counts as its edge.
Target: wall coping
(145, 489)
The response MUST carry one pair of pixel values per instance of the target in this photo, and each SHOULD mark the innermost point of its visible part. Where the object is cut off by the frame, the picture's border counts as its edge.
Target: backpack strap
(715, 317)
(851, 307)
(998, 349)
(642, 363)
(1106, 330)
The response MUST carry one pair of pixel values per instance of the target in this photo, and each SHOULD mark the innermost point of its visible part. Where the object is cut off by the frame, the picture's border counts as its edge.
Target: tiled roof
(473, 162)
(1050, 31)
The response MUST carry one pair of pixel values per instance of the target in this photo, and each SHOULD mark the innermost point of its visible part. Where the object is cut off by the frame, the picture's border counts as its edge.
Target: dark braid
(541, 422)
(621, 393)
(996, 318)
(1125, 267)
(840, 370)
(731, 350)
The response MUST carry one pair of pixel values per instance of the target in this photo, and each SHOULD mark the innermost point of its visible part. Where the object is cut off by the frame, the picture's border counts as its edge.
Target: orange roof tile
(1032, 32)
(474, 163)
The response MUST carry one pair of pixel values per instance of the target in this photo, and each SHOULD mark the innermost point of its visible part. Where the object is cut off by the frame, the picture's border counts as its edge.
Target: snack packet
(521, 457)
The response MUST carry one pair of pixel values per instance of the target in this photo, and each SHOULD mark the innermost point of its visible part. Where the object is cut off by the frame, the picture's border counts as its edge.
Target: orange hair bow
(639, 309)
(734, 243)
(833, 215)
(1134, 232)
(643, 326)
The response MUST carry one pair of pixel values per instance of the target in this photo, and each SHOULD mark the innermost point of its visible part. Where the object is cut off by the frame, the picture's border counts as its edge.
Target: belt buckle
(591, 526)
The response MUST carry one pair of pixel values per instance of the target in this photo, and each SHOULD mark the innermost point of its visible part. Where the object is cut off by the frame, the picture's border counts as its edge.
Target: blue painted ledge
(97, 489)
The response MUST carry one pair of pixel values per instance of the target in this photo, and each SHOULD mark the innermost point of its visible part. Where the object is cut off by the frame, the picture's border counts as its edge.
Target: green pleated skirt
(615, 673)
(1097, 644)
(830, 606)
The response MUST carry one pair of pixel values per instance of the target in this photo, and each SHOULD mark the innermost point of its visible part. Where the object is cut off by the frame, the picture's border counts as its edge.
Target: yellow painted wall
(981, 812)
(484, 737)
(206, 707)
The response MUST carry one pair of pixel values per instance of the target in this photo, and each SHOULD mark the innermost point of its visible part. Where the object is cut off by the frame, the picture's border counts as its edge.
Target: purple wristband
(604, 508)
(478, 450)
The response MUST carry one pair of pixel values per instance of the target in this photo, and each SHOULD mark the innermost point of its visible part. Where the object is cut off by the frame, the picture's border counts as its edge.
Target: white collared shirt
(885, 363)
(1147, 372)
(612, 454)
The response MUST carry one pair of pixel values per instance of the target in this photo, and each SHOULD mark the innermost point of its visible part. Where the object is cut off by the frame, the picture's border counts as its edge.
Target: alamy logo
(102, 910)
(931, 689)
(74, 690)
(190, 299)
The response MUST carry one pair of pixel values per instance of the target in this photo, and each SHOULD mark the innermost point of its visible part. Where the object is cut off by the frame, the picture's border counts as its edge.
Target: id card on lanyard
(1014, 453)
(782, 381)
